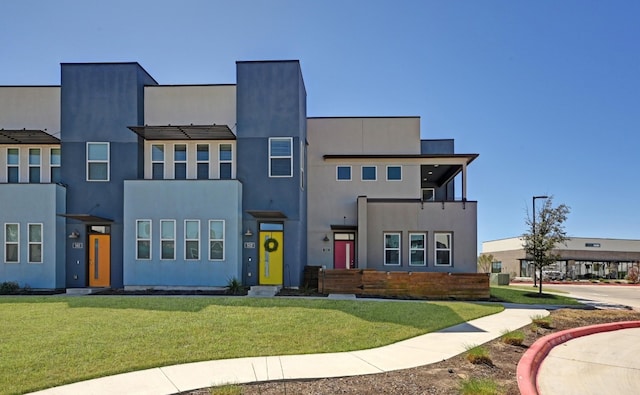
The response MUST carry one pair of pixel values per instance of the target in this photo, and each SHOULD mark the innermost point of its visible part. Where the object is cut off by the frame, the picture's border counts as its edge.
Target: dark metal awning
(267, 214)
(88, 218)
(27, 136)
(344, 227)
(184, 132)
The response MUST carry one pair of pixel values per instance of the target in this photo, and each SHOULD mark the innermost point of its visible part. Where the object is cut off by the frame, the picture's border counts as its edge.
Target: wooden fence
(366, 282)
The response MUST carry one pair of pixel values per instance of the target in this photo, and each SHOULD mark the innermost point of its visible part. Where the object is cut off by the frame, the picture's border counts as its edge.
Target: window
(11, 243)
(54, 165)
(34, 165)
(303, 155)
(226, 158)
(428, 194)
(202, 161)
(280, 157)
(392, 249)
(180, 161)
(13, 165)
(143, 239)
(417, 249)
(443, 249)
(368, 173)
(496, 267)
(97, 161)
(157, 161)
(394, 173)
(35, 243)
(167, 239)
(216, 240)
(192, 239)
(343, 173)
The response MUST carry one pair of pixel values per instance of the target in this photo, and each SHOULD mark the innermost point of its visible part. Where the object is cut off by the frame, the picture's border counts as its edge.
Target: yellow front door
(99, 260)
(271, 257)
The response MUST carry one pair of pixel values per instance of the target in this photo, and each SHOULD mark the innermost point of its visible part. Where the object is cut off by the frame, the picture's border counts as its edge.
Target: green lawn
(518, 295)
(49, 341)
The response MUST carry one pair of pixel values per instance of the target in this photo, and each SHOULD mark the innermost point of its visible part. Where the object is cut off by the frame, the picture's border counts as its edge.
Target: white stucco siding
(193, 104)
(574, 244)
(26, 107)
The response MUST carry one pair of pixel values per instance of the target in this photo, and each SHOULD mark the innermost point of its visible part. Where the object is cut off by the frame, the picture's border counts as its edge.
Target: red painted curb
(531, 360)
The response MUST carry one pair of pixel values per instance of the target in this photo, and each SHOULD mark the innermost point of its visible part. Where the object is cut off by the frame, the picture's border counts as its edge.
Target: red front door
(343, 254)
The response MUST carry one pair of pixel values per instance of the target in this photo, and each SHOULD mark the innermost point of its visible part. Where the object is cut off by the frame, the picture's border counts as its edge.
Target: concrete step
(264, 290)
(83, 291)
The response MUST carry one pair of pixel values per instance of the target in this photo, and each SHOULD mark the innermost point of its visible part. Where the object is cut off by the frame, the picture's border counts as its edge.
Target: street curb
(531, 360)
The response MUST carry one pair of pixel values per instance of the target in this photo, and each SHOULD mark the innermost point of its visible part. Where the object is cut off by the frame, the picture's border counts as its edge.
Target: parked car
(553, 275)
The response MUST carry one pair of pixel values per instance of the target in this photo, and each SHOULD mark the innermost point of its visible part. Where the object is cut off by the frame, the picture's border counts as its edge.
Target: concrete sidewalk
(600, 363)
(422, 350)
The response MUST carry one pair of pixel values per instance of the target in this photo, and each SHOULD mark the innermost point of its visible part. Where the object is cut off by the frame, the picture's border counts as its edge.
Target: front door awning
(88, 218)
(267, 214)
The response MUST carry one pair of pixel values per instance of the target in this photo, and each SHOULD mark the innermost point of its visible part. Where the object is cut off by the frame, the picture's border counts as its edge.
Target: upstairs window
(368, 173)
(225, 160)
(13, 165)
(54, 165)
(34, 165)
(428, 194)
(343, 173)
(281, 157)
(157, 161)
(180, 162)
(97, 161)
(202, 161)
(394, 173)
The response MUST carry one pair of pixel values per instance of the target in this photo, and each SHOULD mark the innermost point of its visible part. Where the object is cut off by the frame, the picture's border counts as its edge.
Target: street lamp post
(535, 248)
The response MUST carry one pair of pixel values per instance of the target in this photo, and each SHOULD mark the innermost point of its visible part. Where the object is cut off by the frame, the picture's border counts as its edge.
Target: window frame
(184, 161)
(394, 166)
(34, 243)
(338, 167)
(436, 249)
(35, 165)
(221, 240)
(161, 162)
(423, 249)
(142, 239)
(55, 166)
(225, 161)
(375, 173)
(164, 239)
(186, 240)
(13, 165)
(385, 248)
(98, 161)
(203, 162)
(289, 157)
(7, 242)
(497, 264)
(433, 194)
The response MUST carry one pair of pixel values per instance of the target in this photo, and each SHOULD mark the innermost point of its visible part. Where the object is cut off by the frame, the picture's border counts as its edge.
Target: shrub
(475, 386)
(514, 338)
(9, 287)
(542, 321)
(478, 355)
(234, 286)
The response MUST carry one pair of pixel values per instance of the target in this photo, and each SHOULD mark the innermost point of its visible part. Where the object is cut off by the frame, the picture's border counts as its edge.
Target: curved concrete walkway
(422, 350)
(599, 363)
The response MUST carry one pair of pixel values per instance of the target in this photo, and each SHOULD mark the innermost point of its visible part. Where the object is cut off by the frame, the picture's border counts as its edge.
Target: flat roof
(27, 136)
(184, 132)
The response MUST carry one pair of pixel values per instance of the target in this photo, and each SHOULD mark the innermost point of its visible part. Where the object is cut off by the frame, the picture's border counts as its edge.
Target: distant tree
(484, 263)
(549, 232)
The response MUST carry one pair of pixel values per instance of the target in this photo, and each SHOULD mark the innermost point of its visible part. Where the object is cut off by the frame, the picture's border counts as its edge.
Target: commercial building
(113, 180)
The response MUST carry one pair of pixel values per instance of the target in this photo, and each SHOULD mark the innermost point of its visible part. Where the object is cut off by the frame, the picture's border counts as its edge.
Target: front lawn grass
(510, 295)
(49, 341)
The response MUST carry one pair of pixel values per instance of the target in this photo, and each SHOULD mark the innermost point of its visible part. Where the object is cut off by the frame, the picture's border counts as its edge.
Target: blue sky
(546, 91)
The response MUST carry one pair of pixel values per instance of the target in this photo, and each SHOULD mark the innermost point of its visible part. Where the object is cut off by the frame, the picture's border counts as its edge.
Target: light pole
(534, 239)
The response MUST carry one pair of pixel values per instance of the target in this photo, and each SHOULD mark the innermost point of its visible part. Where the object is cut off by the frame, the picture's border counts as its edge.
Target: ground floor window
(192, 239)
(496, 267)
(417, 249)
(143, 239)
(392, 249)
(167, 239)
(216, 240)
(443, 249)
(11, 243)
(35, 243)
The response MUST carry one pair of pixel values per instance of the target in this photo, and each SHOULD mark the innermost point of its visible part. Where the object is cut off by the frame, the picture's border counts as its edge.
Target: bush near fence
(426, 285)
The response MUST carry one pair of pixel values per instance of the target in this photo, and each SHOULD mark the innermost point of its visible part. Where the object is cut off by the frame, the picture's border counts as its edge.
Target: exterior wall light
(74, 235)
(325, 238)
(248, 233)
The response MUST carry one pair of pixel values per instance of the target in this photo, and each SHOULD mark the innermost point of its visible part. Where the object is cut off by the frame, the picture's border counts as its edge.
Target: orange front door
(99, 260)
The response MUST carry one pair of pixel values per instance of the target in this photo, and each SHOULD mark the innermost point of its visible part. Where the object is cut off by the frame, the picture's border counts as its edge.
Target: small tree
(549, 231)
(484, 263)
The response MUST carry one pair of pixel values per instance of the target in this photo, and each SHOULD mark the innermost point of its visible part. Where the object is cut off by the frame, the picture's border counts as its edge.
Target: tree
(539, 242)
(485, 261)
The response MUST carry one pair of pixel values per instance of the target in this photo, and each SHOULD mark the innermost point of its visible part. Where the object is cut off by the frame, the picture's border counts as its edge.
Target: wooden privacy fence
(464, 286)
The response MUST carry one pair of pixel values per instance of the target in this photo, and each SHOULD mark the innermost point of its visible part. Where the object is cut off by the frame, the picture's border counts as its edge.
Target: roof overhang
(88, 218)
(184, 132)
(344, 227)
(27, 136)
(267, 214)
